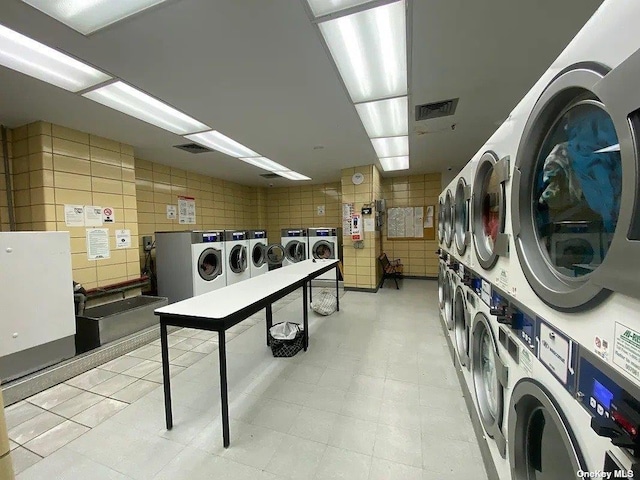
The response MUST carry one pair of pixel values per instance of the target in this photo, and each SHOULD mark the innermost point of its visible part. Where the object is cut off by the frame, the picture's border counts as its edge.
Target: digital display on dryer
(260, 234)
(602, 394)
(322, 233)
(210, 237)
(238, 235)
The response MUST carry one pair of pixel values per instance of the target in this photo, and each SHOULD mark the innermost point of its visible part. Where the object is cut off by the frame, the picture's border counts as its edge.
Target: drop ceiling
(257, 71)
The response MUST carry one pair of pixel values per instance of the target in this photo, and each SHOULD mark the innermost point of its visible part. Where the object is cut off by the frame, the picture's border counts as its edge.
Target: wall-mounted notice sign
(172, 212)
(98, 243)
(123, 238)
(74, 215)
(92, 216)
(186, 210)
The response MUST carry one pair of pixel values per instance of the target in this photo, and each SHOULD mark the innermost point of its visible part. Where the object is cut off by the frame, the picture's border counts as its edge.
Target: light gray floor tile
(367, 386)
(206, 347)
(187, 359)
(402, 416)
(189, 344)
(101, 411)
(255, 446)
(56, 438)
(353, 434)
(66, 464)
(136, 390)
(113, 385)
(78, 404)
(20, 412)
(343, 464)
(399, 445)
(454, 425)
(54, 396)
(276, 415)
(467, 460)
(33, 427)
(13, 445)
(142, 369)
(401, 392)
(90, 379)
(156, 375)
(205, 335)
(386, 470)
(296, 458)
(121, 364)
(338, 379)
(442, 399)
(307, 374)
(362, 407)
(315, 425)
(22, 459)
(146, 352)
(327, 398)
(404, 372)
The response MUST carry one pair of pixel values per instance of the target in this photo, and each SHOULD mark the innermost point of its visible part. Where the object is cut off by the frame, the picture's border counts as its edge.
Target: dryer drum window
(448, 301)
(323, 249)
(448, 218)
(294, 251)
(209, 264)
(258, 255)
(441, 221)
(274, 254)
(461, 217)
(461, 325)
(237, 260)
(441, 285)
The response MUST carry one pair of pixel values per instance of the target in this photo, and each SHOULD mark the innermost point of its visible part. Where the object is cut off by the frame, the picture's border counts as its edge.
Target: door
(448, 218)
(238, 259)
(448, 301)
(274, 254)
(323, 249)
(295, 251)
(461, 320)
(461, 216)
(542, 445)
(441, 285)
(209, 264)
(441, 221)
(258, 255)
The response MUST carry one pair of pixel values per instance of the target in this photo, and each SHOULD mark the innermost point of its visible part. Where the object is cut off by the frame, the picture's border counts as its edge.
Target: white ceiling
(257, 71)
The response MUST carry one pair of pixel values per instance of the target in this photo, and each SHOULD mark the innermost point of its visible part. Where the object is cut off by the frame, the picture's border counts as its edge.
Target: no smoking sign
(108, 215)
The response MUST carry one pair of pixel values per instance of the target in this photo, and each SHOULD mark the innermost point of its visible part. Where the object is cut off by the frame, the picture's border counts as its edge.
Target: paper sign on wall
(369, 225)
(186, 210)
(123, 238)
(172, 212)
(98, 243)
(74, 215)
(92, 216)
(108, 215)
(320, 210)
(428, 219)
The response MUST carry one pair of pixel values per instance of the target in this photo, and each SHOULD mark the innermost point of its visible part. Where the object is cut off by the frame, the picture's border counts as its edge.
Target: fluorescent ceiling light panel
(390, 164)
(265, 164)
(391, 146)
(291, 175)
(385, 118)
(325, 7)
(87, 16)
(222, 143)
(370, 51)
(32, 58)
(129, 100)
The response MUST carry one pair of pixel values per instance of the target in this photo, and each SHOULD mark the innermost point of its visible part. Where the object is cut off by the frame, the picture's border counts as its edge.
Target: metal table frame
(220, 325)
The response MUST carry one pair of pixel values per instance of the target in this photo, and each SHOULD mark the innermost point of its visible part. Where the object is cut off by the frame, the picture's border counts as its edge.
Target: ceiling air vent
(443, 108)
(193, 148)
(270, 175)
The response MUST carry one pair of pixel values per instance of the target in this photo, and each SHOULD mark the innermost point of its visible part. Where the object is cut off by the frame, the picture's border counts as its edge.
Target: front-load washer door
(210, 264)
(489, 206)
(448, 301)
(461, 321)
(442, 271)
(238, 259)
(274, 254)
(258, 255)
(448, 218)
(462, 236)
(441, 222)
(323, 249)
(489, 380)
(295, 251)
(567, 199)
(542, 444)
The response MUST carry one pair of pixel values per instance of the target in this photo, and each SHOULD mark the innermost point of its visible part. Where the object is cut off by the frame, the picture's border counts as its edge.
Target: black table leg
(165, 374)
(269, 321)
(305, 317)
(310, 291)
(337, 288)
(222, 351)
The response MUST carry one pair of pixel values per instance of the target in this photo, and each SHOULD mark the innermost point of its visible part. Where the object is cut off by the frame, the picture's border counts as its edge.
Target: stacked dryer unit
(555, 215)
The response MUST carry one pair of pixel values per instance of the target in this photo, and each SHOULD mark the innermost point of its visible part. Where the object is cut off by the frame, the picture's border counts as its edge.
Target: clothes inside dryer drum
(322, 249)
(577, 190)
(209, 264)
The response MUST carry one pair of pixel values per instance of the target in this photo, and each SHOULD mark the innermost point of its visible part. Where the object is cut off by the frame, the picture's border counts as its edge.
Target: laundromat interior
(319, 239)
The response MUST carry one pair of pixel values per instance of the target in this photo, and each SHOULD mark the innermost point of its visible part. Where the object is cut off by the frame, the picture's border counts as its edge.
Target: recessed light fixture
(291, 175)
(87, 16)
(265, 164)
(390, 164)
(129, 100)
(370, 50)
(222, 143)
(391, 146)
(325, 7)
(385, 118)
(35, 59)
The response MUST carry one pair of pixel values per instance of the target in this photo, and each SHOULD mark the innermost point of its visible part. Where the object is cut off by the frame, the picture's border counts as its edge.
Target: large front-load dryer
(325, 243)
(295, 245)
(263, 255)
(461, 214)
(189, 263)
(237, 255)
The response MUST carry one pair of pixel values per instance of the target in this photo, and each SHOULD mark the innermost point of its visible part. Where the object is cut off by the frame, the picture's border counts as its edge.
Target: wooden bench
(390, 269)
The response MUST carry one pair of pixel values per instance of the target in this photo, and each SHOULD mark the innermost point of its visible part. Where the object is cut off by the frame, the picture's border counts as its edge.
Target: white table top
(232, 298)
(306, 267)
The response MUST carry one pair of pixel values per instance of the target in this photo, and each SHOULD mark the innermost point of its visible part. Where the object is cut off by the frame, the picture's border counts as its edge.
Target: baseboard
(487, 459)
(357, 289)
(419, 277)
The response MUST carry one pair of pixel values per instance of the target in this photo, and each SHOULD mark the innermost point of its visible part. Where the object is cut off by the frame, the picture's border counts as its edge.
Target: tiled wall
(54, 166)
(219, 204)
(289, 207)
(4, 208)
(418, 256)
(360, 270)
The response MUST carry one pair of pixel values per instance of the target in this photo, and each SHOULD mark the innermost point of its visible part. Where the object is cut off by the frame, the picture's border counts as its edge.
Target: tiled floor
(375, 397)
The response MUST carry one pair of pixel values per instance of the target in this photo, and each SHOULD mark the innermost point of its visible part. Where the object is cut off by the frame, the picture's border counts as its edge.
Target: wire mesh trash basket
(286, 339)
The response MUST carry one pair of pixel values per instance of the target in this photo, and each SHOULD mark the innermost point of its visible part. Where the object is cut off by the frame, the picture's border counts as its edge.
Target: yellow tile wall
(4, 207)
(418, 256)
(219, 204)
(54, 166)
(289, 207)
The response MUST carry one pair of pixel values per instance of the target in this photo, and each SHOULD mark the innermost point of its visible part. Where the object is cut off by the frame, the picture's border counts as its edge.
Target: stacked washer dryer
(555, 341)
(295, 245)
(236, 246)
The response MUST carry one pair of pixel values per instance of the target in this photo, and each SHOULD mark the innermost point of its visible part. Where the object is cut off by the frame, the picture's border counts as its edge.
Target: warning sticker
(554, 352)
(626, 350)
(601, 347)
(526, 360)
(502, 279)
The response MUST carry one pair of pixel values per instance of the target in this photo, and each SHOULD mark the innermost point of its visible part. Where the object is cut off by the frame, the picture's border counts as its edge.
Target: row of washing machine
(191, 263)
(539, 276)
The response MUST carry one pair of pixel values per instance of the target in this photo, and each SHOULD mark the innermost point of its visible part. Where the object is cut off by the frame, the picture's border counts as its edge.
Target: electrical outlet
(147, 241)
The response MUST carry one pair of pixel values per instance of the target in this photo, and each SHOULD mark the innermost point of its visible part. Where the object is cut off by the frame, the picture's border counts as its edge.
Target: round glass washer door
(442, 273)
(448, 301)
(258, 255)
(238, 259)
(274, 254)
(210, 264)
(295, 251)
(461, 217)
(448, 218)
(441, 221)
(566, 206)
(323, 249)
(461, 326)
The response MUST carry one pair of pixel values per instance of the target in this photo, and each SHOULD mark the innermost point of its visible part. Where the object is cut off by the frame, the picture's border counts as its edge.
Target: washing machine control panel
(212, 237)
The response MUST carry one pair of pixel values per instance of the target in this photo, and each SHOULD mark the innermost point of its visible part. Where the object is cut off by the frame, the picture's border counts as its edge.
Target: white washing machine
(263, 254)
(295, 245)
(236, 245)
(189, 263)
(462, 214)
(325, 243)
